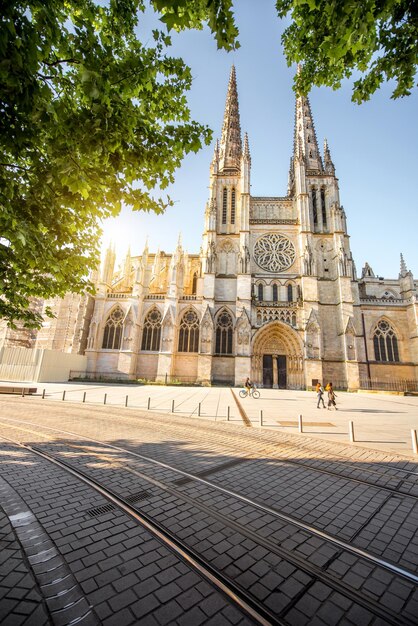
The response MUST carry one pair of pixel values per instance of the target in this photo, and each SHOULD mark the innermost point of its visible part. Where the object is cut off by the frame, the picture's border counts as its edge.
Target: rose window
(274, 252)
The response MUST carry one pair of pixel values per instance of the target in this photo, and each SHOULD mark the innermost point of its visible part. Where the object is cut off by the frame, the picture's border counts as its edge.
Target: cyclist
(248, 385)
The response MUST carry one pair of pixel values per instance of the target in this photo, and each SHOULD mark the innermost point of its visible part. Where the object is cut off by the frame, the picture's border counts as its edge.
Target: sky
(374, 147)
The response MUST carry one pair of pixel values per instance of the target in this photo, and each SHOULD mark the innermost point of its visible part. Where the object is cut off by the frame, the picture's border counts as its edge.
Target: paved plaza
(382, 421)
(304, 528)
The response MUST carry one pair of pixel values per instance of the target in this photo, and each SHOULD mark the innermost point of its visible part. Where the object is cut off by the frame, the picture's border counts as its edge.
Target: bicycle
(253, 393)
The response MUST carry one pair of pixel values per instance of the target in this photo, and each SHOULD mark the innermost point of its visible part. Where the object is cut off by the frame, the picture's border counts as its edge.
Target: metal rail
(395, 569)
(235, 592)
(244, 601)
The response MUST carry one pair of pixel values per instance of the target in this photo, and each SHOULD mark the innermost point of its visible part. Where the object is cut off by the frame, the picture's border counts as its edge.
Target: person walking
(320, 395)
(331, 397)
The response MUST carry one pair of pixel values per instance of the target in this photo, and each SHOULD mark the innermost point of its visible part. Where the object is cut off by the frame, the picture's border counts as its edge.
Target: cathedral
(273, 294)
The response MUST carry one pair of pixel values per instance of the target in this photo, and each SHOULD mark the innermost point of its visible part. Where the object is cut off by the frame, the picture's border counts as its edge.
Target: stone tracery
(274, 252)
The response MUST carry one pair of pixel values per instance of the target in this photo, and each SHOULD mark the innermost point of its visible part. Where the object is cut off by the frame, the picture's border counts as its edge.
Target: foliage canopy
(334, 38)
(90, 118)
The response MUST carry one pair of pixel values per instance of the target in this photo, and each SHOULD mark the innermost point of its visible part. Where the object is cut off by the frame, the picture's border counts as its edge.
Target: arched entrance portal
(277, 359)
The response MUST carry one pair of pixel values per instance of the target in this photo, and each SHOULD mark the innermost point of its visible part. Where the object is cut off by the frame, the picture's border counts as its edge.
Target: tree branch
(59, 61)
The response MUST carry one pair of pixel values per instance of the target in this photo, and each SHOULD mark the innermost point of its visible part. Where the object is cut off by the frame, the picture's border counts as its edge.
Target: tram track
(248, 605)
(302, 564)
(342, 474)
(290, 441)
(190, 477)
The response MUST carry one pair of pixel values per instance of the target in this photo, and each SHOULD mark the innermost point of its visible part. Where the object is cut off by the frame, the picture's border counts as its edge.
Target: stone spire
(246, 150)
(329, 165)
(406, 282)
(404, 269)
(127, 268)
(146, 251)
(215, 158)
(109, 264)
(179, 248)
(231, 146)
(305, 144)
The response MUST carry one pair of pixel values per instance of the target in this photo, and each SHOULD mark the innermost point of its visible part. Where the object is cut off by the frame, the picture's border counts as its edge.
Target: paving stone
(145, 606)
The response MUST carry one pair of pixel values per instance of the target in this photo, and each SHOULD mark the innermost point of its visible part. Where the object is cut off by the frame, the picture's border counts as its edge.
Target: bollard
(104, 399)
(63, 396)
(43, 395)
(198, 410)
(84, 396)
(414, 441)
(149, 403)
(351, 431)
(261, 418)
(172, 406)
(126, 401)
(228, 414)
(300, 424)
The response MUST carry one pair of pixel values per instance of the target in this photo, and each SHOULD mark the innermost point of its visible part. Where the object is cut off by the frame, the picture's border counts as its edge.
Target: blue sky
(374, 147)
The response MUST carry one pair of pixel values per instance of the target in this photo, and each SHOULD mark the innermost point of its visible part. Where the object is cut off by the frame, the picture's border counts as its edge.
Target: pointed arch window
(224, 333)
(324, 210)
(385, 342)
(151, 335)
(314, 207)
(260, 289)
(275, 293)
(112, 337)
(233, 206)
(194, 283)
(290, 293)
(224, 205)
(189, 332)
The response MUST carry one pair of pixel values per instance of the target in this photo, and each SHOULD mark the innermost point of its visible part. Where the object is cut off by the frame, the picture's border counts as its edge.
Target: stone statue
(211, 259)
(308, 260)
(246, 259)
(342, 258)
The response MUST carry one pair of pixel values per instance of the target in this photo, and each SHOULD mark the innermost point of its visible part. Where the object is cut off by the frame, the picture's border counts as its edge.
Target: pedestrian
(320, 395)
(331, 397)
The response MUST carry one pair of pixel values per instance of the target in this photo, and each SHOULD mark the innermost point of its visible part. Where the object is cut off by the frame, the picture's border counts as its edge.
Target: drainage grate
(137, 497)
(99, 510)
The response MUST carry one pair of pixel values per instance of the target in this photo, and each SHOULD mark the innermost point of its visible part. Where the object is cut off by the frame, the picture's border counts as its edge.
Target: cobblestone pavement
(287, 518)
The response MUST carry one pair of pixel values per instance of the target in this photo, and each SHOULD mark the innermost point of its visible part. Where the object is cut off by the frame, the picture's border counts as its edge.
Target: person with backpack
(320, 395)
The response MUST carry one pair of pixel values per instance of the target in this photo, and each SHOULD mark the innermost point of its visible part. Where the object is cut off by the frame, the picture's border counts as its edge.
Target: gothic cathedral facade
(273, 294)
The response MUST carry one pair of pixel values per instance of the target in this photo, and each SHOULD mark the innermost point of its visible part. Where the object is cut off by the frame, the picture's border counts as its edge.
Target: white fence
(24, 364)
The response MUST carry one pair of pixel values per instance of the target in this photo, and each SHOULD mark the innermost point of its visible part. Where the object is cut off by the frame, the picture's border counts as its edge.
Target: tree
(334, 38)
(90, 118)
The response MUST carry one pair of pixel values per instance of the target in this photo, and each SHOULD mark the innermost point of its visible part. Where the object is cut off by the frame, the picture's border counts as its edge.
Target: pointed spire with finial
(246, 150)
(231, 146)
(145, 252)
(305, 143)
(109, 263)
(404, 269)
(329, 165)
(215, 158)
